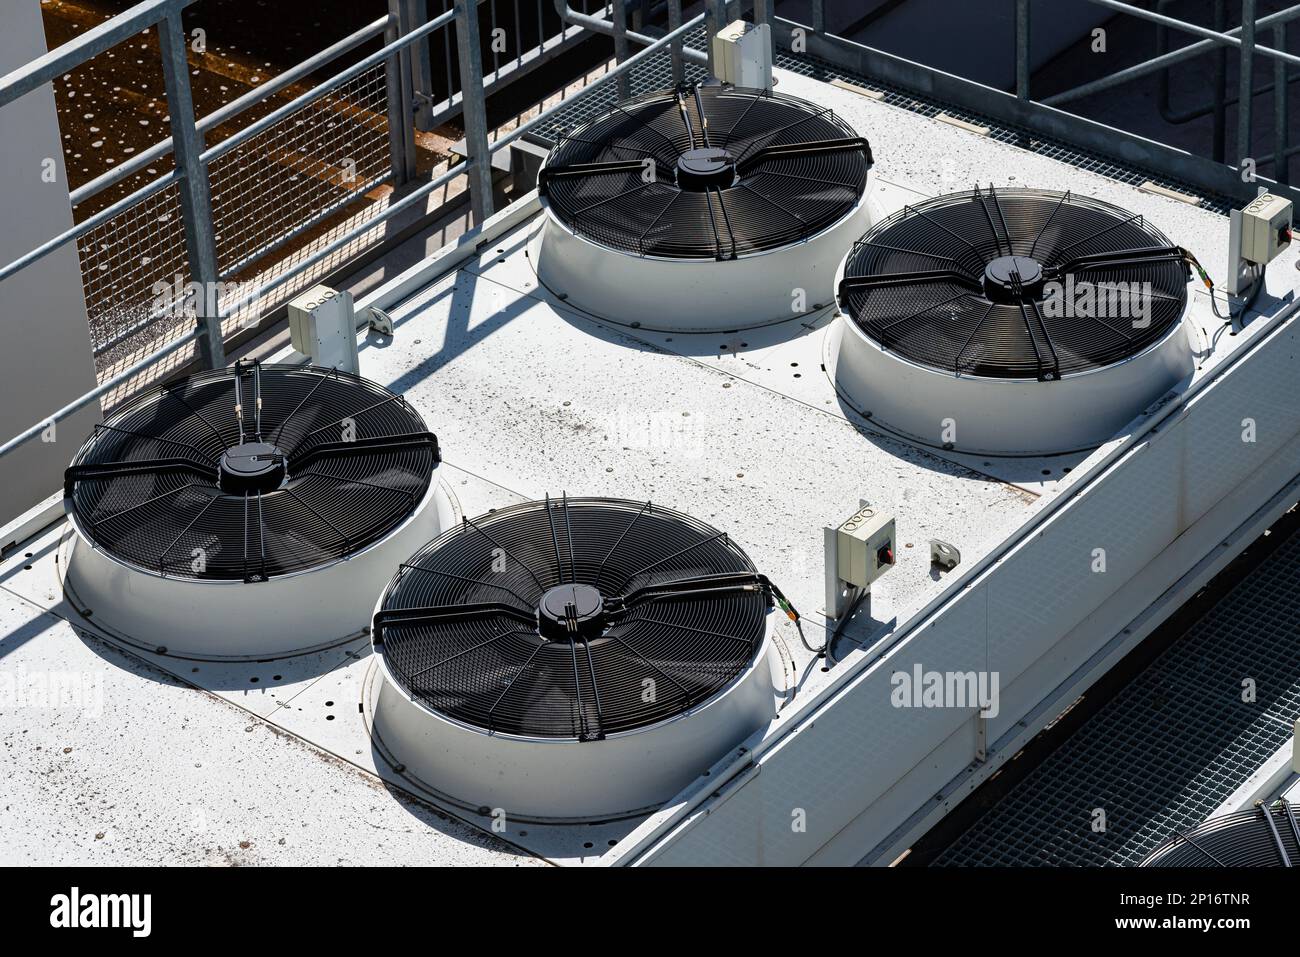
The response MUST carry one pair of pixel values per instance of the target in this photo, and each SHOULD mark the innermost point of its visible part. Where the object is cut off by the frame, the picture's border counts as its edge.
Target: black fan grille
(147, 488)
(790, 170)
(1258, 837)
(916, 284)
(685, 613)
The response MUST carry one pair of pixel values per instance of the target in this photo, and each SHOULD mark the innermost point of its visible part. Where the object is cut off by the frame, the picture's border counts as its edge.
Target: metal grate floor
(1167, 750)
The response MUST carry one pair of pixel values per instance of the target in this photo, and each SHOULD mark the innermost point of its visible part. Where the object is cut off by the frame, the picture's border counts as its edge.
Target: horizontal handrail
(233, 108)
(107, 386)
(101, 37)
(315, 93)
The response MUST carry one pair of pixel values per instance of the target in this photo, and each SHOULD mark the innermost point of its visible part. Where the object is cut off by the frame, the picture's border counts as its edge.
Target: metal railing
(173, 215)
(1045, 117)
(225, 208)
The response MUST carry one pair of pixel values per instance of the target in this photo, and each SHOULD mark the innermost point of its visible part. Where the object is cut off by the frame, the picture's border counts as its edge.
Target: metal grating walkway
(1168, 749)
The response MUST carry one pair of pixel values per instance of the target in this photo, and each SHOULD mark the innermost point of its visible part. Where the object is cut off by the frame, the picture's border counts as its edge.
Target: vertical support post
(819, 16)
(1022, 49)
(675, 21)
(196, 200)
(619, 13)
(716, 19)
(1220, 87)
(1281, 162)
(474, 109)
(421, 79)
(401, 138)
(1245, 89)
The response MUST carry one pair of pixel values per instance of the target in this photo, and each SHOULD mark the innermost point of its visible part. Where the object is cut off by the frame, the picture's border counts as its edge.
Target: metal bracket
(381, 321)
(944, 555)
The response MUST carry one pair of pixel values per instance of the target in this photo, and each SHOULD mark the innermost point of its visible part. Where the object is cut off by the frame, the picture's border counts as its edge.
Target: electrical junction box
(742, 54)
(1265, 228)
(322, 326)
(865, 547)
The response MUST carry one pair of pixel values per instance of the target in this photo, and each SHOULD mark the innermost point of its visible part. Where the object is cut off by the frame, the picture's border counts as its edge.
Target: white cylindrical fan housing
(564, 779)
(223, 619)
(695, 295)
(996, 416)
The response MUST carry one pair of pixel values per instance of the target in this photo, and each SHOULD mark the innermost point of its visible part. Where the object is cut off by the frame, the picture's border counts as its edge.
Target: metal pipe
(1220, 128)
(474, 108)
(618, 10)
(196, 201)
(716, 16)
(315, 93)
(599, 25)
(675, 21)
(236, 106)
(1281, 93)
(101, 37)
(1176, 56)
(79, 403)
(398, 95)
(1022, 49)
(1244, 99)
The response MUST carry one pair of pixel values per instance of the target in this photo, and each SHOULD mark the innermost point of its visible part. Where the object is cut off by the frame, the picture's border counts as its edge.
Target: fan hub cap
(252, 467)
(572, 612)
(706, 168)
(1002, 275)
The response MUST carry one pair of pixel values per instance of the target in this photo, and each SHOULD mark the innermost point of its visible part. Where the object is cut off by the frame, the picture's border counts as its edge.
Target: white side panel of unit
(832, 754)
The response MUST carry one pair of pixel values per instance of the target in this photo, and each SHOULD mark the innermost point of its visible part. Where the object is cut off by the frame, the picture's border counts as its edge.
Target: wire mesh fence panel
(316, 161)
(134, 274)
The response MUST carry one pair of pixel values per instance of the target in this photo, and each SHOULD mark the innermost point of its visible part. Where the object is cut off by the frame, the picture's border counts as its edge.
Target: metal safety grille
(707, 172)
(1262, 836)
(1167, 750)
(251, 472)
(991, 283)
(572, 618)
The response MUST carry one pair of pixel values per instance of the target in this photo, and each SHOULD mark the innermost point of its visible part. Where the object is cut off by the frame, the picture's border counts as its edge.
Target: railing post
(196, 200)
(675, 21)
(1022, 49)
(1245, 89)
(415, 13)
(474, 109)
(819, 16)
(1281, 162)
(619, 13)
(717, 18)
(401, 97)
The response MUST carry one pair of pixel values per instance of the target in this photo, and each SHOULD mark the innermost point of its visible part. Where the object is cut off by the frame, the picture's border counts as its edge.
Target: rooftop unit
(593, 619)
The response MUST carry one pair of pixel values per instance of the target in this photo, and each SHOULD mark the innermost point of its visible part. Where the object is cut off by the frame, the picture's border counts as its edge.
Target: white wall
(45, 352)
